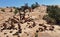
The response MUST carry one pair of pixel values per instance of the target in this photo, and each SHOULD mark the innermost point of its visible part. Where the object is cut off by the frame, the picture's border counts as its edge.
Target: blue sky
(18, 3)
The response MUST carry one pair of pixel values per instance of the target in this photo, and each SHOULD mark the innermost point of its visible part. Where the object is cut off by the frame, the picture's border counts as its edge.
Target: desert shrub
(16, 11)
(14, 7)
(49, 19)
(54, 13)
(23, 8)
(3, 10)
(33, 6)
(7, 7)
(36, 34)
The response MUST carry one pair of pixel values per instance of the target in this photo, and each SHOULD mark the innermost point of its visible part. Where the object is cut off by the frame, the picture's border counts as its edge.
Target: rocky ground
(31, 26)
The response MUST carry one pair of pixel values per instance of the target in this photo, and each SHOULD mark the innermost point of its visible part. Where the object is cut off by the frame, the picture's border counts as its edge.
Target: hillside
(30, 24)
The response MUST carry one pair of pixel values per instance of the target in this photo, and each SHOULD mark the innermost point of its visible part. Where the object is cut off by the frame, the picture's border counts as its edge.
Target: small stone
(10, 31)
(5, 33)
(7, 36)
(37, 31)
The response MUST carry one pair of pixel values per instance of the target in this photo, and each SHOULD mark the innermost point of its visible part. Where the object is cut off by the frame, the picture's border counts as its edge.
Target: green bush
(23, 8)
(16, 11)
(49, 19)
(36, 34)
(54, 13)
(33, 6)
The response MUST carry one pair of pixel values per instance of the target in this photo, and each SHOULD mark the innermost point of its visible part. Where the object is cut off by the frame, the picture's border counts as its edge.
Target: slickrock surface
(6, 15)
(28, 26)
